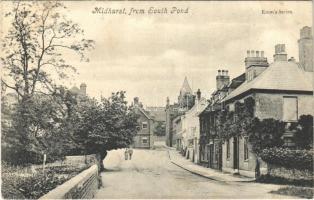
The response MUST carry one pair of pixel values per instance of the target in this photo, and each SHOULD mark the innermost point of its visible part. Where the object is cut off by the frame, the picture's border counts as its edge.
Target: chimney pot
(248, 53)
(252, 53)
(257, 53)
(198, 94)
(136, 100)
(262, 54)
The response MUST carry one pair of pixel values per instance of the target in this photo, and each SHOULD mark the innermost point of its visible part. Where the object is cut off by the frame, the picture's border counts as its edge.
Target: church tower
(186, 97)
(306, 49)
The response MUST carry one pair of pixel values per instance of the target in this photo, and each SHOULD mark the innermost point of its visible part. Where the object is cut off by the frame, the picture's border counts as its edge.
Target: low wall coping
(60, 191)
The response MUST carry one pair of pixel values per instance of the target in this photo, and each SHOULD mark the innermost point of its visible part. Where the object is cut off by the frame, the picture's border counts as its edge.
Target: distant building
(191, 129)
(186, 100)
(79, 92)
(145, 129)
(158, 114)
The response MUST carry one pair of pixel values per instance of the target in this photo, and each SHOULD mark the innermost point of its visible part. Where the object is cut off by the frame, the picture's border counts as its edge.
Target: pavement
(177, 159)
(152, 175)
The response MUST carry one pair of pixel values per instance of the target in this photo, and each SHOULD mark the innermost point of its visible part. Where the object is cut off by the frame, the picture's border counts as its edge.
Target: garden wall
(80, 160)
(82, 186)
(293, 174)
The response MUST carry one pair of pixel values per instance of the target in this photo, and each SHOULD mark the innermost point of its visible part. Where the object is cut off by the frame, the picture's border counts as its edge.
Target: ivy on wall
(241, 122)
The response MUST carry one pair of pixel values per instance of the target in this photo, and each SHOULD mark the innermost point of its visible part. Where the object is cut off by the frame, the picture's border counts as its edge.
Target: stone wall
(80, 160)
(82, 186)
(294, 174)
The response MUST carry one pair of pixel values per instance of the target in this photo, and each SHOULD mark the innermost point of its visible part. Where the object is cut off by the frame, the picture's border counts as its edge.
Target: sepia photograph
(156, 99)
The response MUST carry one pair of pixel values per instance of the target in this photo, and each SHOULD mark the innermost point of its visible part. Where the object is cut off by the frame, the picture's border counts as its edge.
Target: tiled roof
(144, 112)
(158, 115)
(280, 75)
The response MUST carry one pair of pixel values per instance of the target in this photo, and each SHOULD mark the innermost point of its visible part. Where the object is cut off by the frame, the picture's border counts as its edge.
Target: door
(220, 156)
(235, 153)
(211, 155)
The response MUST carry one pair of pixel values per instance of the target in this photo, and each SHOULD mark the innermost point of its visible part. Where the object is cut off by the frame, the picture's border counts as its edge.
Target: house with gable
(191, 129)
(145, 129)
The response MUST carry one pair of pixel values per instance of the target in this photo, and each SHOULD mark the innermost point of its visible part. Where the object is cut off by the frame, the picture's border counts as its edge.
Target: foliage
(160, 128)
(303, 192)
(33, 186)
(47, 121)
(266, 178)
(266, 134)
(290, 159)
(303, 137)
(108, 125)
(35, 45)
(33, 53)
(241, 122)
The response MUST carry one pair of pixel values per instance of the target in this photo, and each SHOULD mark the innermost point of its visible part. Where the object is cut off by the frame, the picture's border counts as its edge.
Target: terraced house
(282, 90)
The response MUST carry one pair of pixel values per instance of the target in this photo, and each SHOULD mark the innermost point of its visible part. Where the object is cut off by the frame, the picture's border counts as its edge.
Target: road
(150, 174)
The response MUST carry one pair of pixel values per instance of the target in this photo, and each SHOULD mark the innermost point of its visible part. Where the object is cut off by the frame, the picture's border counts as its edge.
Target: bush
(17, 183)
(302, 192)
(283, 181)
(303, 137)
(290, 159)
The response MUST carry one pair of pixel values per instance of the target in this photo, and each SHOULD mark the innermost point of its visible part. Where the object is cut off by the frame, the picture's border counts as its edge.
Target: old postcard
(156, 99)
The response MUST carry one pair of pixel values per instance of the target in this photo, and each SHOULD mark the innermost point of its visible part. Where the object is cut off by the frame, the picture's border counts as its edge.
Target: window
(246, 149)
(144, 125)
(228, 149)
(290, 109)
(144, 140)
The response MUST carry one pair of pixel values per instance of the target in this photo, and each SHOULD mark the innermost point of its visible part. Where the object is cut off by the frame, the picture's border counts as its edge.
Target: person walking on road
(130, 153)
(126, 154)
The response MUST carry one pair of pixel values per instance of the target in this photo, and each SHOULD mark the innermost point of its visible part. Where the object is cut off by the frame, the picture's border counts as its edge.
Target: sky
(149, 55)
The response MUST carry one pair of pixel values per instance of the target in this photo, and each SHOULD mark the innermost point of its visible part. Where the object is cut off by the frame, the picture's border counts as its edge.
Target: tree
(108, 125)
(35, 45)
(303, 137)
(33, 55)
(160, 128)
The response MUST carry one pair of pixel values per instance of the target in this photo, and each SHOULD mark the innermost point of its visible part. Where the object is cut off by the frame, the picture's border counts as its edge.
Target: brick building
(145, 129)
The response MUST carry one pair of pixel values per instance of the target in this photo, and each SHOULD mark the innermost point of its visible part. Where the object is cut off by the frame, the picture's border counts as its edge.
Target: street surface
(150, 174)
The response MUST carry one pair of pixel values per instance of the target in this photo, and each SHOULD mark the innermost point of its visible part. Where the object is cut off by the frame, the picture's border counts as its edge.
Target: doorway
(236, 154)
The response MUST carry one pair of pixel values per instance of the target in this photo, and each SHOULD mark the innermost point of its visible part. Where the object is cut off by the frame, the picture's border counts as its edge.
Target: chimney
(306, 49)
(280, 53)
(198, 93)
(222, 79)
(168, 102)
(136, 101)
(83, 87)
(255, 63)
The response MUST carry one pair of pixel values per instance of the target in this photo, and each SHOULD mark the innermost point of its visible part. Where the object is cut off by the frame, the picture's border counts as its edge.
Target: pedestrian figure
(130, 153)
(126, 154)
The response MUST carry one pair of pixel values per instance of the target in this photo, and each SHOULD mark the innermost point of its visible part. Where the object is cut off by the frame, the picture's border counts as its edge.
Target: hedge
(290, 159)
